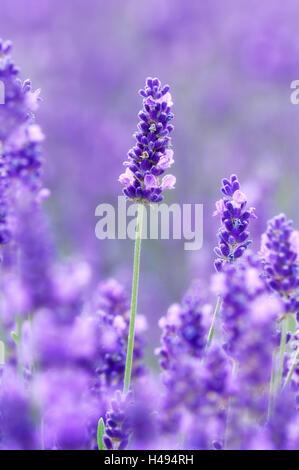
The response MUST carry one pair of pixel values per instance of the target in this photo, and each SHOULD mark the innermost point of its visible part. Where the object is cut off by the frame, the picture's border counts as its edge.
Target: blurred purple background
(229, 65)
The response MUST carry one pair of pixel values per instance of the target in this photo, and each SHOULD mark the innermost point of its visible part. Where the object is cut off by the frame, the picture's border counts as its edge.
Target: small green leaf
(15, 337)
(100, 434)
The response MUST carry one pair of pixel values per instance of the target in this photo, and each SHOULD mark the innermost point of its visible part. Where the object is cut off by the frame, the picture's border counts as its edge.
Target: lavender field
(117, 342)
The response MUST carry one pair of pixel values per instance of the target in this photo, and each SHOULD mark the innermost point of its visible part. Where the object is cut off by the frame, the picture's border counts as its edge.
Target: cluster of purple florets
(117, 424)
(280, 255)
(152, 154)
(233, 234)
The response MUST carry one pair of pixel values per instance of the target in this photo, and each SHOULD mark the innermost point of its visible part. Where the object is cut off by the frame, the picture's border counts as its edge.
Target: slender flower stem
(290, 373)
(272, 385)
(134, 297)
(213, 325)
(283, 338)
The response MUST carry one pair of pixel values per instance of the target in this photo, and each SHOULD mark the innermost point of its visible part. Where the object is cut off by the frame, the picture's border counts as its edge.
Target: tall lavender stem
(213, 325)
(134, 299)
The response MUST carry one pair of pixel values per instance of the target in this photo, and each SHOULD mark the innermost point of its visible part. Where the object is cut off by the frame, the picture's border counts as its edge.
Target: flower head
(280, 256)
(117, 426)
(152, 154)
(233, 234)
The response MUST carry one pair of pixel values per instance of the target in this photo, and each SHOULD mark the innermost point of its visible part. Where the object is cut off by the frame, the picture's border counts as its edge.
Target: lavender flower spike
(233, 234)
(152, 154)
(117, 424)
(280, 255)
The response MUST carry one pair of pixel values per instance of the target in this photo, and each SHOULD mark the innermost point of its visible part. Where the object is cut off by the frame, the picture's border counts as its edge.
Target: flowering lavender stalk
(233, 234)
(280, 256)
(147, 161)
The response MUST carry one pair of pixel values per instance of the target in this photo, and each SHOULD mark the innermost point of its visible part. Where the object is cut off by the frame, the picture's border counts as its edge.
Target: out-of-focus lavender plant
(20, 138)
(249, 315)
(111, 319)
(90, 340)
(280, 256)
(197, 385)
(279, 253)
(18, 429)
(184, 328)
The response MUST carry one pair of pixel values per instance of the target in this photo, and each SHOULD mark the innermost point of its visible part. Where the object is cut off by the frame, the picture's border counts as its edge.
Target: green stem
(137, 250)
(290, 373)
(214, 320)
(272, 385)
(282, 347)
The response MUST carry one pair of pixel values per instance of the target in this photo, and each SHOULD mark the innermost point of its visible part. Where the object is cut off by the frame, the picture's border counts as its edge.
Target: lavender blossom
(184, 328)
(280, 256)
(233, 234)
(152, 154)
(117, 425)
(111, 323)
